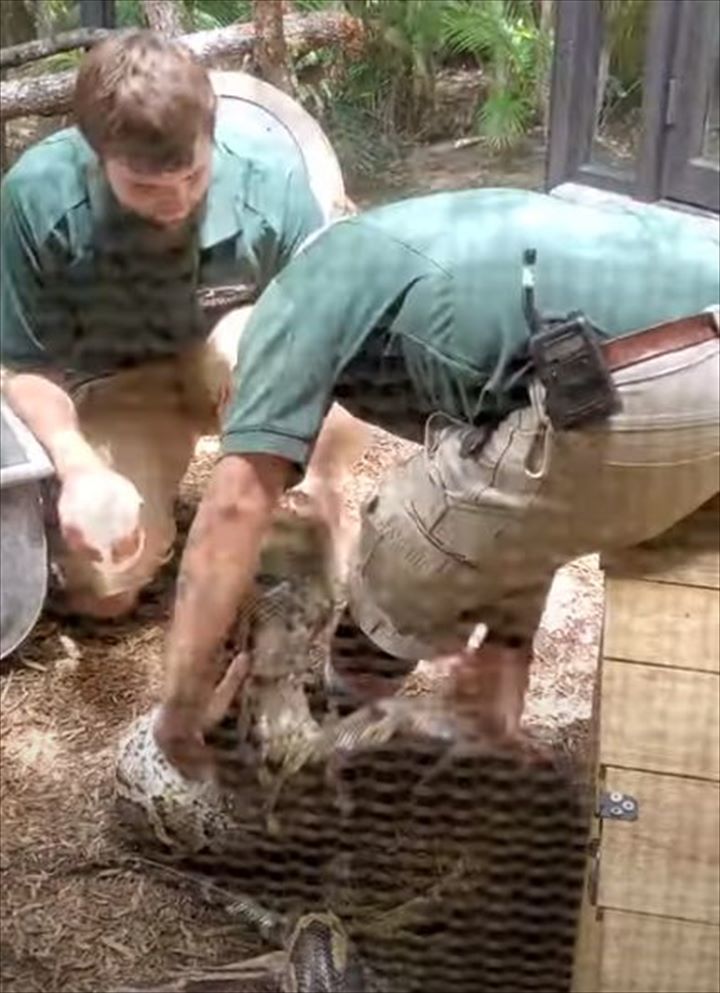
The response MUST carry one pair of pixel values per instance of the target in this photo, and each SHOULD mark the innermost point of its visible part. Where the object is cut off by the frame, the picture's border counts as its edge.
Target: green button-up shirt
(416, 307)
(88, 288)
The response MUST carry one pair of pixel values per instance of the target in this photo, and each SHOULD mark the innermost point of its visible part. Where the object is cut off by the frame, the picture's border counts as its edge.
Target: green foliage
(210, 14)
(401, 60)
(61, 15)
(505, 39)
(409, 40)
(206, 15)
(369, 100)
(626, 24)
(128, 14)
(503, 118)
(625, 31)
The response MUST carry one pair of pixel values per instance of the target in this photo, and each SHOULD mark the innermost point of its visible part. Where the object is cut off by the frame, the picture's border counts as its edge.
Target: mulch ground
(76, 915)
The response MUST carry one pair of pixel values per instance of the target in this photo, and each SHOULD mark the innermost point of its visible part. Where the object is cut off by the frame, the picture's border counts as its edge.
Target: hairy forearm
(50, 414)
(217, 573)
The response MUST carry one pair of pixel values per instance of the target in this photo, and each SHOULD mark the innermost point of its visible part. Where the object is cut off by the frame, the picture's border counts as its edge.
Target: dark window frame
(664, 169)
(688, 177)
(97, 13)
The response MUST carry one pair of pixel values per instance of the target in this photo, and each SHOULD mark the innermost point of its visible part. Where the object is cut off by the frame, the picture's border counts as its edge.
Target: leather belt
(660, 340)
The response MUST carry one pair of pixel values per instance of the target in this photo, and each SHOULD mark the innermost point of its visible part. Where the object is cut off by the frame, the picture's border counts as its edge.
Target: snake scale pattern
(273, 735)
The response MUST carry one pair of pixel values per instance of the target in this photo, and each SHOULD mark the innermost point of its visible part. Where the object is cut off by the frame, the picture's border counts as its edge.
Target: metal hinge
(616, 806)
(593, 879)
(671, 106)
(612, 806)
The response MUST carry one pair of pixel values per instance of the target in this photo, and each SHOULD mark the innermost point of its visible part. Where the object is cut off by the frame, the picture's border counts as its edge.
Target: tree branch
(31, 51)
(164, 16)
(52, 94)
(270, 48)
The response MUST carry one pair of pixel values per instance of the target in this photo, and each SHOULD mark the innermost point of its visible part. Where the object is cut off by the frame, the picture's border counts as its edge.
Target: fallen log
(40, 48)
(52, 94)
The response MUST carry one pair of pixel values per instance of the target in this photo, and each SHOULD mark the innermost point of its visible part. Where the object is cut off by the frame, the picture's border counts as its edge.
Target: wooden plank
(667, 862)
(660, 720)
(644, 954)
(662, 623)
(688, 553)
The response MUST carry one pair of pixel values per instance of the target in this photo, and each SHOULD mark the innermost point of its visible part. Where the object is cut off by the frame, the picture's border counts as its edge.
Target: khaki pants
(449, 542)
(144, 423)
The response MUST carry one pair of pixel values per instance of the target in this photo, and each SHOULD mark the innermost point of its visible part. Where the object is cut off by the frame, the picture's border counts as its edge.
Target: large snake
(276, 735)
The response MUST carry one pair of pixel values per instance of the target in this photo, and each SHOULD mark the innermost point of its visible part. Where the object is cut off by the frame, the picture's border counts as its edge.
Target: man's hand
(180, 729)
(179, 734)
(99, 513)
(216, 574)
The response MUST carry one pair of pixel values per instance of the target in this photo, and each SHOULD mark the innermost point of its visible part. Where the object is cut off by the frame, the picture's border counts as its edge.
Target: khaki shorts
(449, 542)
(145, 423)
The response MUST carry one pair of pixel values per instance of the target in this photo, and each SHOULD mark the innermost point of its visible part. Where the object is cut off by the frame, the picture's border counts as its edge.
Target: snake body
(273, 723)
(281, 792)
(273, 736)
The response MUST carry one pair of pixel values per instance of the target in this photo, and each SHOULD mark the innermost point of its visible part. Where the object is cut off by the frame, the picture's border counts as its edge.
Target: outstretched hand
(180, 728)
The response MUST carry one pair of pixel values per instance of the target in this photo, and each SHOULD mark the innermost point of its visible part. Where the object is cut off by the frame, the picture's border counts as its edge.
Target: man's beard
(162, 236)
(127, 227)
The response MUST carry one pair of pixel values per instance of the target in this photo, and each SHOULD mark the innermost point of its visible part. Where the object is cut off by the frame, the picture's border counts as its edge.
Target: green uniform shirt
(416, 307)
(88, 288)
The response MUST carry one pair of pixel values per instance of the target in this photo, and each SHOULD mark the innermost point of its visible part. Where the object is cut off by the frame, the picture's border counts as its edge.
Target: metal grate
(449, 866)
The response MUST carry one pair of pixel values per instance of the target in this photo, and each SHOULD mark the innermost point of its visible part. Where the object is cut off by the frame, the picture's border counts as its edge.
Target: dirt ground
(75, 916)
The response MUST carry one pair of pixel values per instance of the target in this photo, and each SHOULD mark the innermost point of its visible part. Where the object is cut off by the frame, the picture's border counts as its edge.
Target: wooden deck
(651, 908)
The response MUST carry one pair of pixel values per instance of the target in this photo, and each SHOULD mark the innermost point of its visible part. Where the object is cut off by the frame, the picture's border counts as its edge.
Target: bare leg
(342, 439)
(341, 442)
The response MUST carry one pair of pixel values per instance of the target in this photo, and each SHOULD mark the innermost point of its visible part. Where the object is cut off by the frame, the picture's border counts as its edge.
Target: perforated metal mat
(451, 865)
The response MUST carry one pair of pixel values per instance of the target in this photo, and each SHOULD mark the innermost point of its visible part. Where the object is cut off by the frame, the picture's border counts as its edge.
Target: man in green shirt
(412, 317)
(108, 231)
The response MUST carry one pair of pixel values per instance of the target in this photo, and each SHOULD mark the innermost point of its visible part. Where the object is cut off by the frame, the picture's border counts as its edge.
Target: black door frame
(97, 13)
(670, 81)
(687, 176)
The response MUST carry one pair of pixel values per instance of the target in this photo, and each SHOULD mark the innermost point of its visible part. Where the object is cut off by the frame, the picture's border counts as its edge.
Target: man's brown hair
(144, 99)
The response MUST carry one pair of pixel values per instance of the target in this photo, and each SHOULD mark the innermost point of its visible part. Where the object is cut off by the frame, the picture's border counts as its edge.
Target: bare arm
(217, 571)
(50, 414)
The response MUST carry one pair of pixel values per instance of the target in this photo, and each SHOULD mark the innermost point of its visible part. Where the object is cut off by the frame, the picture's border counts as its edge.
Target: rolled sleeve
(283, 378)
(249, 441)
(305, 328)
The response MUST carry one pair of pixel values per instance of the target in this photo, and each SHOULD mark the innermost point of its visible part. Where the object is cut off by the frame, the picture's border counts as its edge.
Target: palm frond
(503, 118)
(481, 31)
(62, 15)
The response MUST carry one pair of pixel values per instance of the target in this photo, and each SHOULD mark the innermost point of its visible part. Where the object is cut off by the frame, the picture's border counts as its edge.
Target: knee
(107, 592)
